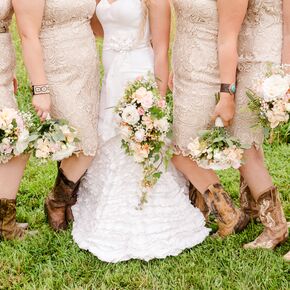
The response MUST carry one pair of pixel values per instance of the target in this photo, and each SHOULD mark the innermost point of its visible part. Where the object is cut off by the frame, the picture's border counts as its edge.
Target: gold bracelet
(40, 90)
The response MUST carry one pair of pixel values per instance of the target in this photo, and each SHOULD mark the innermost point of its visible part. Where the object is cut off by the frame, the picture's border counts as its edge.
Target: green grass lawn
(53, 261)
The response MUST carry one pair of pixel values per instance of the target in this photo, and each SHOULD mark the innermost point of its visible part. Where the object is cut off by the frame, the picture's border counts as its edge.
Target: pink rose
(141, 111)
(147, 100)
(161, 104)
(147, 122)
(140, 94)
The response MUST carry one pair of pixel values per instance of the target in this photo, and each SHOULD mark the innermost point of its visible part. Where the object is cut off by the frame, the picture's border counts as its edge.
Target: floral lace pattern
(7, 57)
(256, 50)
(71, 64)
(195, 65)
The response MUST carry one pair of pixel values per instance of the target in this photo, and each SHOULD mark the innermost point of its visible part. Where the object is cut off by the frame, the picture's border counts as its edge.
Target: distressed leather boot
(9, 229)
(58, 203)
(229, 218)
(272, 217)
(68, 212)
(247, 202)
(287, 257)
(197, 200)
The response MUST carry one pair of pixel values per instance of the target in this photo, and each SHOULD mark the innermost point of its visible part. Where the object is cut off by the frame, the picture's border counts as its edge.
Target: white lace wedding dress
(107, 222)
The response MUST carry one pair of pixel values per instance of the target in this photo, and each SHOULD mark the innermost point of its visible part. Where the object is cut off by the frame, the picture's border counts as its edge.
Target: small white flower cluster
(272, 93)
(14, 134)
(207, 155)
(58, 142)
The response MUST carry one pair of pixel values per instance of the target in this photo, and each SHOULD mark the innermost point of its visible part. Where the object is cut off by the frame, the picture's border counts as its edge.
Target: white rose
(194, 148)
(275, 87)
(140, 155)
(140, 93)
(63, 154)
(139, 135)
(147, 100)
(125, 132)
(22, 142)
(287, 106)
(41, 154)
(162, 124)
(130, 115)
(203, 163)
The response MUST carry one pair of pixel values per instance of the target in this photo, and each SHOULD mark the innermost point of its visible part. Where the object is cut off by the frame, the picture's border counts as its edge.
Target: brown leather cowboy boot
(63, 195)
(9, 229)
(229, 218)
(197, 200)
(68, 212)
(287, 257)
(247, 202)
(272, 217)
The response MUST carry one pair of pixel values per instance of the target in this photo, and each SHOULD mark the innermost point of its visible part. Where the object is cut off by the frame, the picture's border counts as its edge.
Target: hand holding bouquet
(56, 140)
(216, 149)
(270, 97)
(15, 134)
(144, 126)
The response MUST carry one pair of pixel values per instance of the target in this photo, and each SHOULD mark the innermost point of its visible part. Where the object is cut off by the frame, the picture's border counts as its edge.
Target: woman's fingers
(226, 123)
(39, 113)
(44, 116)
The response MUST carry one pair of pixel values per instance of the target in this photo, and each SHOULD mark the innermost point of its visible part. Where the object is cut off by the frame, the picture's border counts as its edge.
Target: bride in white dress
(107, 222)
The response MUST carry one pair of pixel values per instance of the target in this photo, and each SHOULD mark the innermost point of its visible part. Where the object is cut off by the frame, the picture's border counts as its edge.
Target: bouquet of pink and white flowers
(216, 149)
(56, 140)
(15, 135)
(270, 98)
(145, 127)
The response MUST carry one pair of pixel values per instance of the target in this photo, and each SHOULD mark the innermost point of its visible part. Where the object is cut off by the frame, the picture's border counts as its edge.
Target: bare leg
(10, 177)
(255, 172)
(64, 194)
(11, 174)
(199, 177)
(75, 166)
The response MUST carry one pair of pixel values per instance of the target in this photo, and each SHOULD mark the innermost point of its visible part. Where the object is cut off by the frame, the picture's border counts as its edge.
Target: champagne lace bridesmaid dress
(195, 65)
(260, 43)
(71, 65)
(7, 57)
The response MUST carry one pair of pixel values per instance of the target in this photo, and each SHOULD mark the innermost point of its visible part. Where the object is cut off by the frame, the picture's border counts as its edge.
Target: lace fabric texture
(107, 221)
(7, 58)
(71, 64)
(196, 72)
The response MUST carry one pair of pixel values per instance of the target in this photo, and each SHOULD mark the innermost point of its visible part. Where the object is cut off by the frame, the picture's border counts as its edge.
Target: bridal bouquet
(15, 134)
(145, 127)
(216, 149)
(56, 140)
(270, 97)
